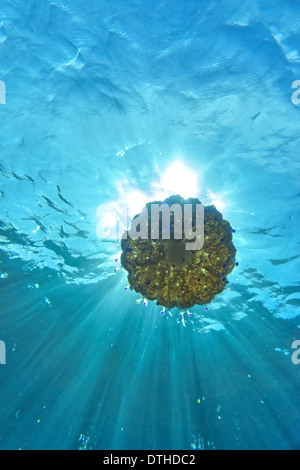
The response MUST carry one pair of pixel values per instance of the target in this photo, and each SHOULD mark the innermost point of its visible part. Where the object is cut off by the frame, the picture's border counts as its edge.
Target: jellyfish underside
(165, 271)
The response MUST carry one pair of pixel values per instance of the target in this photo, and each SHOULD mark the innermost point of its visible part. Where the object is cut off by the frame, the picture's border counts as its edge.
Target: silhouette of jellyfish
(163, 270)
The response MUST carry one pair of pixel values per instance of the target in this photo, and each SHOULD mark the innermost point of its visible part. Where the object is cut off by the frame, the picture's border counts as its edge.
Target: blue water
(101, 98)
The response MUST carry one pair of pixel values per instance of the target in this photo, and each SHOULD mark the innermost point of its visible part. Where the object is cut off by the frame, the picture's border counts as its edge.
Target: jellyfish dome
(163, 270)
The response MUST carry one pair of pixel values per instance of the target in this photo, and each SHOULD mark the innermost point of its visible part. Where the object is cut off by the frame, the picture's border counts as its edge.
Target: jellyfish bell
(163, 269)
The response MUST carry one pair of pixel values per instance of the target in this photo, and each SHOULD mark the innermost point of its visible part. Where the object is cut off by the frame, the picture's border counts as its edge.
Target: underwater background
(102, 99)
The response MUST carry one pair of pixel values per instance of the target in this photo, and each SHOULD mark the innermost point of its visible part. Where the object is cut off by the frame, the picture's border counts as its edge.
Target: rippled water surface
(102, 98)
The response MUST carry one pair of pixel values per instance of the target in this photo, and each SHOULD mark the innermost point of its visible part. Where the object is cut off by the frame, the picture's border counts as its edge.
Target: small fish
(256, 115)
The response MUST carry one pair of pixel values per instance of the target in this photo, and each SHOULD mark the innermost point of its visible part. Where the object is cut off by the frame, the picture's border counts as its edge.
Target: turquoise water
(102, 98)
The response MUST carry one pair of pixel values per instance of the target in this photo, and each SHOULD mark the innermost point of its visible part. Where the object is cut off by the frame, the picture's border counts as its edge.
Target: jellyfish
(163, 270)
